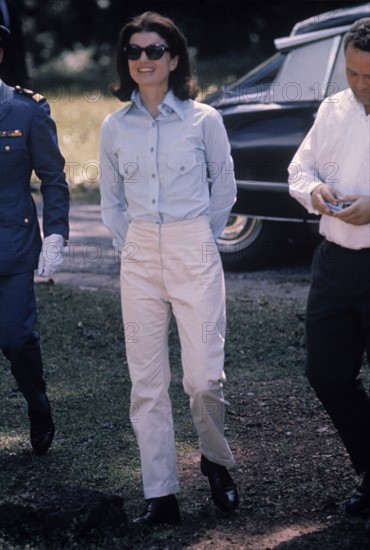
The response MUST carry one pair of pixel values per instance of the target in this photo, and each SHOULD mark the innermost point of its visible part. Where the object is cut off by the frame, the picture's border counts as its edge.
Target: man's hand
(356, 214)
(51, 255)
(320, 195)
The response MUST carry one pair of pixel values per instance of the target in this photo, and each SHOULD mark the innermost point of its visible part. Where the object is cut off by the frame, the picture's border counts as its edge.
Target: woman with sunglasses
(167, 188)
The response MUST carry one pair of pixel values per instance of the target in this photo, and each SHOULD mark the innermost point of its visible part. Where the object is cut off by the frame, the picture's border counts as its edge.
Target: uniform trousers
(338, 333)
(19, 341)
(174, 268)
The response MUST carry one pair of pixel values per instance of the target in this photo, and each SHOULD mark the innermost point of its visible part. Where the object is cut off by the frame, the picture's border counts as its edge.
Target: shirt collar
(170, 104)
(4, 91)
(357, 104)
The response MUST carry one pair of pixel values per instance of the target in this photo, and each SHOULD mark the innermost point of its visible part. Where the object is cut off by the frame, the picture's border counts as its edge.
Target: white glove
(51, 255)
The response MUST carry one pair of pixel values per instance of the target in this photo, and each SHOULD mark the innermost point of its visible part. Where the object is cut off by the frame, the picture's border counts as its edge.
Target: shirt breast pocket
(184, 178)
(14, 162)
(181, 164)
(129, 170)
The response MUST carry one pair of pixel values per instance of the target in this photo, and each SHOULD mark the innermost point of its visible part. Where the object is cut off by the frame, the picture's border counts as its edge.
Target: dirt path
(292, 470)
(91, 263)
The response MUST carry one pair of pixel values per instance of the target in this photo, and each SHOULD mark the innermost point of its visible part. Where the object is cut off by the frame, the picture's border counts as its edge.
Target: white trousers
(174, 268)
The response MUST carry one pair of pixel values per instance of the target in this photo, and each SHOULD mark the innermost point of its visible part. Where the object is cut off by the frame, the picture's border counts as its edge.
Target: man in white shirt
(332, 167)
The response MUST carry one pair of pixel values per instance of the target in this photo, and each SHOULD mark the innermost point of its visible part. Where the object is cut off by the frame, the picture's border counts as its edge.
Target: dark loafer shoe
(160, 510)
(223, 489)
(359, 502)
(41, 431)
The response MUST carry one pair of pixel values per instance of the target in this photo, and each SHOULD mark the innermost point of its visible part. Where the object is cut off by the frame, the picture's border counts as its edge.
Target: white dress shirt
(336, 151)
(157, 169)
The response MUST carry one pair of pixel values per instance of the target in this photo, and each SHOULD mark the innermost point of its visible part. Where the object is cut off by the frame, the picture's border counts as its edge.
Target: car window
(338, 76)
(250, 87)
(305, 74)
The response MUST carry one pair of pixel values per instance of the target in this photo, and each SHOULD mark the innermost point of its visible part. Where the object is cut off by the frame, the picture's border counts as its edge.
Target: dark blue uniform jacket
(28, 141)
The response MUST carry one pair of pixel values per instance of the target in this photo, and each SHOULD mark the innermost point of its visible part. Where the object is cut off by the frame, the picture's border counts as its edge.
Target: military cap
(4, 34)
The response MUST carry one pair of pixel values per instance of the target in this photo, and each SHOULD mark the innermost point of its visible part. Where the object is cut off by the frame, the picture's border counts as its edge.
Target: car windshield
(250, 87)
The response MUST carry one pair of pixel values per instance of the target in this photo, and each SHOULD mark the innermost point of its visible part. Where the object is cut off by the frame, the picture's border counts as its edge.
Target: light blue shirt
(174, 167)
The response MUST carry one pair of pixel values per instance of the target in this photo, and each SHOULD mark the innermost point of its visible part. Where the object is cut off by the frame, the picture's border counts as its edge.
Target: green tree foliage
(214, 28)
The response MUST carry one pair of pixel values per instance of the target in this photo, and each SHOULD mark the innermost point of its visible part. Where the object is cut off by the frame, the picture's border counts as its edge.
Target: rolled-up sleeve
(305, 170)
(113, 203)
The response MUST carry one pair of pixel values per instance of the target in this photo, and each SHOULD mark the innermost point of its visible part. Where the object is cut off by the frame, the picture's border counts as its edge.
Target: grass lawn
(86, 371)
(283, 442)
(291, 469)
(78, 118)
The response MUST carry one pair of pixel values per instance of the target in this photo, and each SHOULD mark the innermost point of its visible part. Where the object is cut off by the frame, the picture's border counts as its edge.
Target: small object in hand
(338, 207)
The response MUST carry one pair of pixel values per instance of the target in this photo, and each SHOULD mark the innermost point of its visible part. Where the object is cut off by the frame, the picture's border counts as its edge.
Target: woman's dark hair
(180, 79)
(359, 35)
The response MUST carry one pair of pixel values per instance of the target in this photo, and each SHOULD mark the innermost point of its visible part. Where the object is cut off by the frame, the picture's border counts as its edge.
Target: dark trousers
(338, 333)
(19, 342)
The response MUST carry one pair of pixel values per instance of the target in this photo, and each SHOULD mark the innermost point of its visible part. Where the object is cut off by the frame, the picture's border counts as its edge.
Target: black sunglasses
(153, 51)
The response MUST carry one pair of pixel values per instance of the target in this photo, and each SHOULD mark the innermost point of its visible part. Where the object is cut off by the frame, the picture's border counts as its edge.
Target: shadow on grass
(345, 535)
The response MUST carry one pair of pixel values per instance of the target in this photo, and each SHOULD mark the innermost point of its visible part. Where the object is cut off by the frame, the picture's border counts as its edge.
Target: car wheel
(250, 243)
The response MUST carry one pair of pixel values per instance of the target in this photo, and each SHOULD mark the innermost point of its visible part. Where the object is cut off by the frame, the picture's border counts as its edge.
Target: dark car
(267, 113)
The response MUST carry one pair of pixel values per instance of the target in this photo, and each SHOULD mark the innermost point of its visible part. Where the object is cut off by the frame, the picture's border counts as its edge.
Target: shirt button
(182, 168)
(153, 175)
(7, 148)
(153, 124)
(26, 220)
(151, 149)
(153, 201)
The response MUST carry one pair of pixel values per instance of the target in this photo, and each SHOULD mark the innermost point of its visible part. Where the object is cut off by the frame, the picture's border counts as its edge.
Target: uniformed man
(28, 141)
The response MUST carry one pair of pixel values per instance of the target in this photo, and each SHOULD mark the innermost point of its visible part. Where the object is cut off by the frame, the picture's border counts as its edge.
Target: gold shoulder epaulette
(30, 93)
